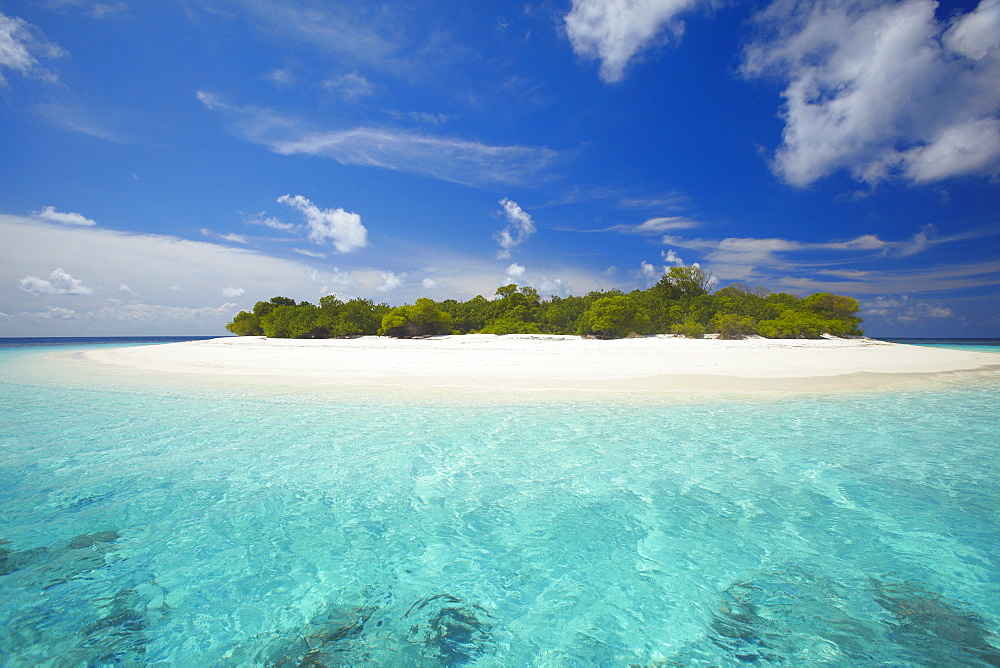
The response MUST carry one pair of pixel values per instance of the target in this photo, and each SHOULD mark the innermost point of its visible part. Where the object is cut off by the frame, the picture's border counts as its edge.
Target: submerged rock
(89, 539)
(449, 630)
(934, 626)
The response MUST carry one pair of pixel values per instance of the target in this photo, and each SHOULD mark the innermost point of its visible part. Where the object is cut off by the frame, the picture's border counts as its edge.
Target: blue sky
(167, 164)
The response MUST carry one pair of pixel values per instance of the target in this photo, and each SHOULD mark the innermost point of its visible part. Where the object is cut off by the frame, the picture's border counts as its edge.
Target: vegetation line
(680, 303)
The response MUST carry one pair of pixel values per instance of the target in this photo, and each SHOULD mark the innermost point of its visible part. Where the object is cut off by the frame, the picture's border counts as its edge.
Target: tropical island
(681, 302)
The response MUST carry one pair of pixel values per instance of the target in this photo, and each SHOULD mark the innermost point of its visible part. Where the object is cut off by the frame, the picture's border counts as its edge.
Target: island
(681, 302)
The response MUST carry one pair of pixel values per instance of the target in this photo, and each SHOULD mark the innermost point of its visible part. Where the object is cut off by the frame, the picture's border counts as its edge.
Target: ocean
(203, 525)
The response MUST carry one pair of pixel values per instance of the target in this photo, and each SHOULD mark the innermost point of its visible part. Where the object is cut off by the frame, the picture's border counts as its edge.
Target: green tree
(732, 326)
(684, 283)
(794, 324)
(614, 318)
(837, 309)
(510, 325)
(690, 328)
(423, 318)
(245, 324)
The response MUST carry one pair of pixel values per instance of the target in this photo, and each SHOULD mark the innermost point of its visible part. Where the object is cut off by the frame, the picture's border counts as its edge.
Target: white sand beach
(533, 362)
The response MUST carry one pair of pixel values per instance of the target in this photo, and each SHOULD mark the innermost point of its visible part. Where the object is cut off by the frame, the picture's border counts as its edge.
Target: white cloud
(519, 227)
(515, 272)
(235, 238)
(309, 253)
(261, 218)
(670, 257)
(390, 281)
(353, 33)
(745, 259)
(147, 264)
(655, 226)
(883, 89)
(102, 10)
(351, 86)
(614, 31)
(21, 45)
(445, 158)
(50, 214)
(429, 283)
(230, 292)
(59, 283)
(902, 309)
(344, 229)
(280, 77)
(647, 270)
(554, 286)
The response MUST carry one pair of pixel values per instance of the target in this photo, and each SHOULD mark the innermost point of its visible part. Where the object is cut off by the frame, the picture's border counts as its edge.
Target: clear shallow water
(197, 527)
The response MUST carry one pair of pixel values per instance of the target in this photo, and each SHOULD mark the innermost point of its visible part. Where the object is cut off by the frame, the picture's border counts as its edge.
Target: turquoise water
(199, 526)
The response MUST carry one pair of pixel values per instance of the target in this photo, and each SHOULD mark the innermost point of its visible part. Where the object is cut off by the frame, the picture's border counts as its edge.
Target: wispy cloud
(519, 227)
(261, 218)
(107, 124)
(21, 47)
(350, 86)
(351, 31)
(882, 89)
(445, 158)
(800, 265)
(50, 214)
(654, 226)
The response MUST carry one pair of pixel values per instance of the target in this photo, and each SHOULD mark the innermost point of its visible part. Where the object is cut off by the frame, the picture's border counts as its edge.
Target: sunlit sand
(533, 362)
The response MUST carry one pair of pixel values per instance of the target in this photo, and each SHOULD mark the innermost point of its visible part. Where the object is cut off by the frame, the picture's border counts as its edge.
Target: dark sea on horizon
(50, 341)
(210, 525)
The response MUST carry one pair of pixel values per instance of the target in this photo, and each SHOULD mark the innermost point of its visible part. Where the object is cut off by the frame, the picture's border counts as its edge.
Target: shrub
(692, 329)
(732, 326)
(613, 318)
(423, 318)
(792, 324)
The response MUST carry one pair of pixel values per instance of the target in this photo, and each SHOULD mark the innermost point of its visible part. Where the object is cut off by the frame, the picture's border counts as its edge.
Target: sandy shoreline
(531, 362)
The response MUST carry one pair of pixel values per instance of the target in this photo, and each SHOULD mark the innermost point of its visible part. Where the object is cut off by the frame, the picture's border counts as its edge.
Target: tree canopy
(681, 302)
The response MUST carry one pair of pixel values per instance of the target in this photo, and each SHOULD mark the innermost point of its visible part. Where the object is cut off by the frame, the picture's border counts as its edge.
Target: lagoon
(224, 525)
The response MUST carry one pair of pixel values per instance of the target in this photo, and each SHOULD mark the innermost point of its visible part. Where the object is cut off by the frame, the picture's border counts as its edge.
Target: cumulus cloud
(344, 229)
(614, 31)
(390, 281)
(59, 282)
(230, 292)
(50, 214)
(429, 283)
(519, 227)
(882, 89)
(670, 257)
(554, 286)
(21, 45)
(440, 157)
(515, 272)
(647, 269)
